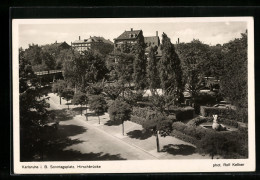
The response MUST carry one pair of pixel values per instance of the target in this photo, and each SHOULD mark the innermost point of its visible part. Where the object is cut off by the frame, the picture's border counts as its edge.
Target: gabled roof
(101, 39)
(56, 45)
(94, 39)
(129, 34)
(78, 41)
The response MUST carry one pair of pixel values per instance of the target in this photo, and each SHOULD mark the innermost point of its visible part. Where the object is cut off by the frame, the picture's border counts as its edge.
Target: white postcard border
(133, 166)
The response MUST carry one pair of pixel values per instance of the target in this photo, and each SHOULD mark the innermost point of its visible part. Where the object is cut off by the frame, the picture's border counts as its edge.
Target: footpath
(134, 135)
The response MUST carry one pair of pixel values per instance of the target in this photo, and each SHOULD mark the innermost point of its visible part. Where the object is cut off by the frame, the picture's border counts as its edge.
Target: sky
(208, 32)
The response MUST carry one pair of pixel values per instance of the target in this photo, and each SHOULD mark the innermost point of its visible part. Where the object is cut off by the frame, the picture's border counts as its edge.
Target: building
(93, 43)
(56, 45)
(131, 37)
(152, 40)
(128, 37)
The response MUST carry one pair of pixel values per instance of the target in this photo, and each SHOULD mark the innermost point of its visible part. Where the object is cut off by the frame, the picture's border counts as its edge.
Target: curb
(81, 119)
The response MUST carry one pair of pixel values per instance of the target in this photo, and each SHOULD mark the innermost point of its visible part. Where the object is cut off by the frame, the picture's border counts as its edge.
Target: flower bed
(226, 143)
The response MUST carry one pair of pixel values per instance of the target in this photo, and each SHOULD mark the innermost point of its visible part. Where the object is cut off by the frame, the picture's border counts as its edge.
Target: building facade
(152, 40)
(128, 38)
(92, 43)
(131, 37)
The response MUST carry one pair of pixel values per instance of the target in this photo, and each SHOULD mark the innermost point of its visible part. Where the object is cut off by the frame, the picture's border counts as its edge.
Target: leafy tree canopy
(119, 111)
(98, 104)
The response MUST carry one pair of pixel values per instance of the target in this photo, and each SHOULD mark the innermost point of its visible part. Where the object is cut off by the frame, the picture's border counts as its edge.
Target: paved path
(106, 138)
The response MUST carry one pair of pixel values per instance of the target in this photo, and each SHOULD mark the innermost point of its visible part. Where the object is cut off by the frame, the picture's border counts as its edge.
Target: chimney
(178, 40)
(131, 29)
(156, 33)
(55, 42)
(79, 37)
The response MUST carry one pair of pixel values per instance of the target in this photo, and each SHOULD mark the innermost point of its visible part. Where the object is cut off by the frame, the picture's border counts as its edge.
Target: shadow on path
(78, 108)
(94, 114)
(51, 144)
(61, 115)
(113, 123)
(180, 149)
(70, 130)
(71, 155)
(139, 134)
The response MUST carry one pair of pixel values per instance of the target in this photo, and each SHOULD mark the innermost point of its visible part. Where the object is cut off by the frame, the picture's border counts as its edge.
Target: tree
(170, 70)
(151, 70)
(87, 67)
(67, 94)
(139, 65)
(216, 64)
(33, 112)
(95, 89)
(158, 124)
(233, 82)
(196, 64)
(97, 104)
(80, 98)
(103, 48)
(58, 87)
(33, 54)
(124, 67)
(48, 60)
(113, 91)
(120, 111)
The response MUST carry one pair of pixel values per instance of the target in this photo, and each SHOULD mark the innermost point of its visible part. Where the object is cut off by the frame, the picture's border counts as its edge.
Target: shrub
(98, 104)
(243, 129)
(182, 113)
(226, 143)
(199, 120)
(178, 126)
(186, 138)
(119, 111)
(140, 112)
(230, 144)
(194, 131)
(109, 102)
(137, 120)
(228, 122)
(172, 118)
(205, 98)
(221, 112)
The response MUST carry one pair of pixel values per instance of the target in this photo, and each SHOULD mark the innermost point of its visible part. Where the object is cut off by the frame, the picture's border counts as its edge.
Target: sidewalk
(171, 147)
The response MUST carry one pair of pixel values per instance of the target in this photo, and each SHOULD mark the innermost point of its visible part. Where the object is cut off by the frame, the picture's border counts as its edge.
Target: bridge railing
(40, 73)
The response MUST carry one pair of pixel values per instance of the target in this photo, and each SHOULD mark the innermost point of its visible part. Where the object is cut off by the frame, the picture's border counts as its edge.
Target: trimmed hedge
(197, 132)
(183, 113)
(199, 120)
(228, 122)
(176, 114)
(186, 138)
(221, 112)
(229, 144)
